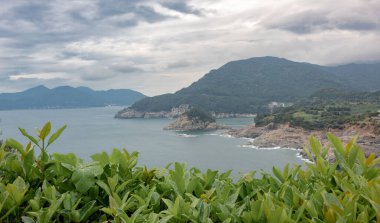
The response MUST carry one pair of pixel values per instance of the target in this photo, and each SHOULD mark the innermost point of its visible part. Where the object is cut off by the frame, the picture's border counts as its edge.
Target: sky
(161, 46)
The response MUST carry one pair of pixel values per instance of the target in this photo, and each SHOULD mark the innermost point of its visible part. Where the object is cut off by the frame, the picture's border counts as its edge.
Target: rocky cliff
(195, 120)
(129, 113)
(286, 136)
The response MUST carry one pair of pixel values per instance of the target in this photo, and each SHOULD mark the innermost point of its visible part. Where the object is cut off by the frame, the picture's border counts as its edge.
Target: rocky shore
(184, 123)
(286, 136)
(128, 113)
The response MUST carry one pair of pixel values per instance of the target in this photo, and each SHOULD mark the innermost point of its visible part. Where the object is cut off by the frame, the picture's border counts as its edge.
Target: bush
(201, 115)
(111, 188)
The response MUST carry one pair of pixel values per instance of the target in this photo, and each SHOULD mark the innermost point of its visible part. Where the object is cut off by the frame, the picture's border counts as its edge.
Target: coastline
(129, 113)
(283, 136)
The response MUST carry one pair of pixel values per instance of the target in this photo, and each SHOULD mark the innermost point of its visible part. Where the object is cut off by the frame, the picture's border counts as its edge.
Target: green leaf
(29, 160)
(53, 209)
(56, 135)
(87, 210)
(31, 138)
(16, 145)
(165, 219)
(45, 131)
(69, 158)
(102, 158)
(17, 190)
(338, 146)
(105, 187)
(315, 145)
(84, 176)
(352, 156)
(178, 177)
(3, 199)
(278, 174)
(27, 219)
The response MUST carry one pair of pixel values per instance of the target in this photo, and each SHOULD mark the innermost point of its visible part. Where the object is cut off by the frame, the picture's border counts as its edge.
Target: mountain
(247, 86)
(67, 97)
(365, 77)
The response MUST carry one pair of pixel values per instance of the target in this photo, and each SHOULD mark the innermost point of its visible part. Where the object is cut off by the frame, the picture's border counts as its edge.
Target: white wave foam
(214, 134)
(187, 135)
(268, 148)
(299, 155)
(222, 135)
(249, 139)
(227, 136)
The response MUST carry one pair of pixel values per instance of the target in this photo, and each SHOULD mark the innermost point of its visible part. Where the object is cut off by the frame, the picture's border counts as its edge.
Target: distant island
(67, 97)
(253, 85)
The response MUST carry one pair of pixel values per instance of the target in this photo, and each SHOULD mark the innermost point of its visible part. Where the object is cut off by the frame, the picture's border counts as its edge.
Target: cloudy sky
(160, 46)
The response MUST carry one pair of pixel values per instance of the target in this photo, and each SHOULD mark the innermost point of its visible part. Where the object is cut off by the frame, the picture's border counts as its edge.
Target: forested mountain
(249, 85)
(365, 77)
(66, 97)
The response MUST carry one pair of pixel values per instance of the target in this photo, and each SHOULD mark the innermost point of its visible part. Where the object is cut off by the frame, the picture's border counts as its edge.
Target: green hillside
(328, 108)
(247, 86)
(362, 76)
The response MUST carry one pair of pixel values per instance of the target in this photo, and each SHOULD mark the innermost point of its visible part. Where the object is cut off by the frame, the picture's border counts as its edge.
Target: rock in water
(195, 119)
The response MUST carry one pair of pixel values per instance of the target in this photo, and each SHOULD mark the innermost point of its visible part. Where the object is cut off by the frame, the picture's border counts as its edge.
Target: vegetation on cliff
(199, 114)
(193, 120)
(327, 109)
(111, 187)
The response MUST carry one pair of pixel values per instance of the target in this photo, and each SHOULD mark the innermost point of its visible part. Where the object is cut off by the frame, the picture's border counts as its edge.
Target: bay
(92, 130)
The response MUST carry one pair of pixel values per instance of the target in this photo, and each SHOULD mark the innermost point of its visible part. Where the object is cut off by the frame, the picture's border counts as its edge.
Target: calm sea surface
(93, 130)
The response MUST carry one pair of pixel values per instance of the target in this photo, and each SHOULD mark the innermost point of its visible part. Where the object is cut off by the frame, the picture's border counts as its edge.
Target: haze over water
(94, 130)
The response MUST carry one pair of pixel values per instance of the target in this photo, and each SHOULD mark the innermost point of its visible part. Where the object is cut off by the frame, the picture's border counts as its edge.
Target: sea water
(92, 130)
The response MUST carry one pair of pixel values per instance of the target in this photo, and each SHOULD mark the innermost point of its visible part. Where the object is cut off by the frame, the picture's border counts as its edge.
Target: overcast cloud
(161, 46)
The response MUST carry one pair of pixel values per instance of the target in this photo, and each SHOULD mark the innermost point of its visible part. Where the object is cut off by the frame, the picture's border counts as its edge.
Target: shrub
(111, 188)
(195, 113)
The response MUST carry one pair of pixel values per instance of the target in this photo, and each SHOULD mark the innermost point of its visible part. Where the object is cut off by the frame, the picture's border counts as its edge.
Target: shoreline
(129, 113)
(300, 154)
(283, 136)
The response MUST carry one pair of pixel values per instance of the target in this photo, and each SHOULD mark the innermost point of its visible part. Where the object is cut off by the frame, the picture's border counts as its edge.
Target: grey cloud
(141, 12)
(358, 25)
(31, 12)
(310, 21)
(149, 14)
(97, 76)
(7, 85)
(300, 23)
(33, 23)
(182, 6)
(179, 64)
(125, 68)
(134, 43)
(116, 7)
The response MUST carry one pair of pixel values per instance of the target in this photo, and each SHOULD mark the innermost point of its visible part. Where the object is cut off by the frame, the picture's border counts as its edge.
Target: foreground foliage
(64, 188)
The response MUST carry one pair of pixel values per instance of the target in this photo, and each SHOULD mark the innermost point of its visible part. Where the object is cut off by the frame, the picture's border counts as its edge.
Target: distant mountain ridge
(67, 97)
(247, 86)
(365, 77)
